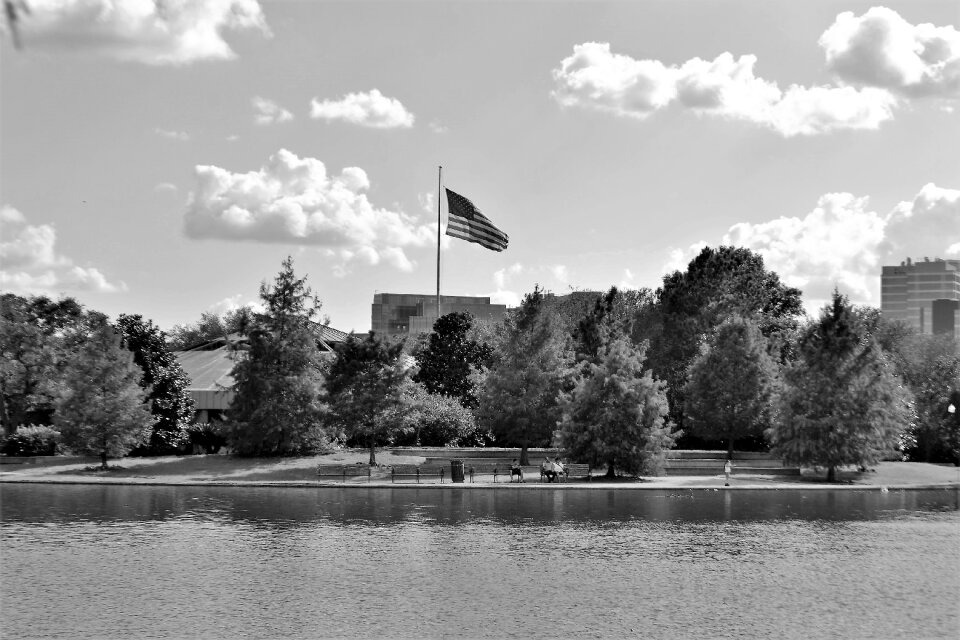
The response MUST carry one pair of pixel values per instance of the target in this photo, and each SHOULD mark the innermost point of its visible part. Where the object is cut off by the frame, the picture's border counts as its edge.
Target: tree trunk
(831, 473)
(373, 453)
(729, 448)
(611, 471)
(524, 456)
(103, 460)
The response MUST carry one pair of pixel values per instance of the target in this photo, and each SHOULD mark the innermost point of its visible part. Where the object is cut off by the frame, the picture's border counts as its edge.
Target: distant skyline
(163, 159)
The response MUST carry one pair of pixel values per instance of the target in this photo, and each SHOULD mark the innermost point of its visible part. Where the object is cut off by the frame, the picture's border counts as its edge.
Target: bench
(572, 470)
(496, 468)
(414, 471)
(343, 471)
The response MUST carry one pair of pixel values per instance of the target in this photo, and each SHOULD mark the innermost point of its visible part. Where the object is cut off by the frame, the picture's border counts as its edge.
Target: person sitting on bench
(516, 470)
(549, 469)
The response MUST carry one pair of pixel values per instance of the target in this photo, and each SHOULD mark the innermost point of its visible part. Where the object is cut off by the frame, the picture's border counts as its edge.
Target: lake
(96, 561)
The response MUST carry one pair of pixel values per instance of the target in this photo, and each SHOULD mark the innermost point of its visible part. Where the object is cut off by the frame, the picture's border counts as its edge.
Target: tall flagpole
(439, 188)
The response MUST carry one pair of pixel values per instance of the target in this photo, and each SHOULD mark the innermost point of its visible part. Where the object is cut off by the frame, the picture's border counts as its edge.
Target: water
(187, 562)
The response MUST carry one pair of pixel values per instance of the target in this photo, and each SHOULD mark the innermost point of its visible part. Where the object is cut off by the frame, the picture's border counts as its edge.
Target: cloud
(165, 187)
(371, 109)
(233, 303)
(501, 276)
(843, 243)
(293, 200)
(881, 49)
(559, 272)
(596, 78)
(269, 112)
(30, 263)
(182, 136)
(156, 33)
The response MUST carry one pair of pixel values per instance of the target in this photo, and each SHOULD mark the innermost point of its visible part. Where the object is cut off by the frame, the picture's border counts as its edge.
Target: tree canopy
(616, 413)
(842, 404)
(277, 405)
(367, 390)
(731, 384)
(450, 358)
(531, 362)
(101, 408)
(164, 381)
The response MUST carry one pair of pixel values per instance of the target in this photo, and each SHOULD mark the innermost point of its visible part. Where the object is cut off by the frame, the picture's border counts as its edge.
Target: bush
(32, 440)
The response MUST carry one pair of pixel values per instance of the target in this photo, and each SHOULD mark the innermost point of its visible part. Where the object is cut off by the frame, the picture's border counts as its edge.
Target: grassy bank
(226, 468)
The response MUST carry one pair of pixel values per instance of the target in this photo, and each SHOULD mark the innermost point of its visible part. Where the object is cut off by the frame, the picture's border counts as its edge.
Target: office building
(922, 294)
(394, 313)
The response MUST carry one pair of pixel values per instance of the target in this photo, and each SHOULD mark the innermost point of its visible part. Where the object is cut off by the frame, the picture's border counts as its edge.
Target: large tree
(211, 326)
(277, 406)
(841, 404)
(716, 284)
(731, 384)
(450, 358)
(529, 368)
(616, 413)
(101, 408)
(614, 314)
(368, 390)
(37, 337)
(163, 380)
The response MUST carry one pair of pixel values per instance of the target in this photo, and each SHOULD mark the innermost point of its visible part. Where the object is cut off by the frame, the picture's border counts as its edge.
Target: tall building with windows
(923, 294)
(394, 313)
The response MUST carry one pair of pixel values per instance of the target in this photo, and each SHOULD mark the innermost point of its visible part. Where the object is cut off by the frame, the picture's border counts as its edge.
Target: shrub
(32, 440)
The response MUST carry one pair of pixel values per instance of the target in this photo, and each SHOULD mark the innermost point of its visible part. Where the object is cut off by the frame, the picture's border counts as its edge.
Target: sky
(164, 158)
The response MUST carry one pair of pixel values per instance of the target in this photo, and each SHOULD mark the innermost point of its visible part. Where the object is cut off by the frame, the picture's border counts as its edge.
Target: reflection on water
(114, 561)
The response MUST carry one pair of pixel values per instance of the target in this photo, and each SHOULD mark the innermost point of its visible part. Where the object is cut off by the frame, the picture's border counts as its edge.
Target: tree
(37, 336)
(616, 413)
(164, 381)
(211, 326)
(367, 389)
(731, 384)
(717, 283)
(101, 408)
(842, 404)
(530, 365)
(446, 364)
(614, 314)
(432, 419)
(277, 406)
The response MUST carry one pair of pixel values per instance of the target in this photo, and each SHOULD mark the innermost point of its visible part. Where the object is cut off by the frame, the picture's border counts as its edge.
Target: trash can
(456, 470)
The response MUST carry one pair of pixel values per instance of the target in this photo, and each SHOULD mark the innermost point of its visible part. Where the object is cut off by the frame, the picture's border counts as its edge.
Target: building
(922, 294)
(393, 313)
(209, 365)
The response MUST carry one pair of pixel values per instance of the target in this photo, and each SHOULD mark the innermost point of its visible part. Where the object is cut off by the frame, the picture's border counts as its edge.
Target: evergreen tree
(277, 406)
(368, 391)
(616, 413)
(530, 365)
(163, 380)
(842, 404)
(450, 358)
(101, 408)
(731, 384)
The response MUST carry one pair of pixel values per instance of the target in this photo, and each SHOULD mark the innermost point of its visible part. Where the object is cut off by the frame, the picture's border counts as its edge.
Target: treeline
(721, 355)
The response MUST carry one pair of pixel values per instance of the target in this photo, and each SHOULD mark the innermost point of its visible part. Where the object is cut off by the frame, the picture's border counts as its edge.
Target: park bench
(572, 470)
(496, 468)
(414, 471)
(343, 471)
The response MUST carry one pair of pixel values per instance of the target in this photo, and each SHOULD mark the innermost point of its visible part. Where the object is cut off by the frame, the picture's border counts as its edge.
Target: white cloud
(501, 276)
(232, 138)
(559, 272)
(437, 127)
(628, 281)
(30, 263)
(182, 136)
(156, 33)
(509, 298)
(843, 244)
(594, 77)
(881, 49)
(294, 200)
(269, 112)
(678, 259)
(234, 303)
(167, 187)
(371, 109)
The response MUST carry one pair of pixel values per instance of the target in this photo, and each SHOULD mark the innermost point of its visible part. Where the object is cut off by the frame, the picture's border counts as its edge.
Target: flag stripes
(466, 222)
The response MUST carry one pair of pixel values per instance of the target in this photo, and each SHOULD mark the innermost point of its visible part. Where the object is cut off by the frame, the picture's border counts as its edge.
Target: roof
(209, 369)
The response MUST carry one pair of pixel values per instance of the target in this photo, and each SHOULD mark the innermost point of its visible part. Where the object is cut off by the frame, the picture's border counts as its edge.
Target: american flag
(467, 223)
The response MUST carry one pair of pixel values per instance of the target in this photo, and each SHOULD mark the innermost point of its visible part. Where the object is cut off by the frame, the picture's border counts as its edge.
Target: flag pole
(439, 183)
